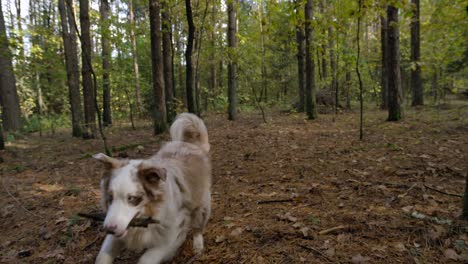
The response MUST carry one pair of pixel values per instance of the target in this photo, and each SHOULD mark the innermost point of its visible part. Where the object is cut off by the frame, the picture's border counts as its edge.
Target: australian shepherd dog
(173, 188)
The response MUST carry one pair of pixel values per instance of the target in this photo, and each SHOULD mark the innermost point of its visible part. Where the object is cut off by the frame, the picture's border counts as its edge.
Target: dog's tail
(190, 128)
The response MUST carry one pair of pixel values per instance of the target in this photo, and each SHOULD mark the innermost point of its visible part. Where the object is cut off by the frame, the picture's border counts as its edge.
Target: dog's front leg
(109, 250)
(154, 255)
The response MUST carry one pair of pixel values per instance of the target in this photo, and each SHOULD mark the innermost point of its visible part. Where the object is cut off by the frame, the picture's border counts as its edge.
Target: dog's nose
(110, 229)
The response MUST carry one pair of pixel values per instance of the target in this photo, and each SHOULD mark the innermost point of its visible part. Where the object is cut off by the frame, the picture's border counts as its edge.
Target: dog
(173, 188)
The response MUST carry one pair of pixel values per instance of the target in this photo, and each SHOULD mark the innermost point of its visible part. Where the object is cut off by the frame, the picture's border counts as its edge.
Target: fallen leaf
(237, 231)
(399, 247)
(220, 239)
(305, 231)
(61, 220)
(358, 259)
(451, 254)
(330, 252)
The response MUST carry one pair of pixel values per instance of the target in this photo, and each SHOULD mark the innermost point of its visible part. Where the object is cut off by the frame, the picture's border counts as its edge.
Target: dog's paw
(198, 244)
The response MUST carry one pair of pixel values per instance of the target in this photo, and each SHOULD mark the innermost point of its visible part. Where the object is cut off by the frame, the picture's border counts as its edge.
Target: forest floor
(289, 191)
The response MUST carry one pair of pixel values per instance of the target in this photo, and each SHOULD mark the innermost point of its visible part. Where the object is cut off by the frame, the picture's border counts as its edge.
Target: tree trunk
(106, 89)
(11, 113)
(384, 70)
(167, 60)
(333, 65)
(188, 58)
(232, 66)
(88, 91)
(465, 198)
(309, 60)
(71, 65)
(213, 83)
(416, 83)
(394, 74)
(20, 29)
(136, 70)
(159, 112)
(264, 94)
(2, 140)
(300, 55)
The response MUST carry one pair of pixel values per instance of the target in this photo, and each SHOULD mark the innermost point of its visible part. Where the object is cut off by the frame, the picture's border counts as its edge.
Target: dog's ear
(110, 162)
(151, 175)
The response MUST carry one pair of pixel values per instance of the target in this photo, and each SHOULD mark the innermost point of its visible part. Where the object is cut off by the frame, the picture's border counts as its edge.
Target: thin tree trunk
(71, 64)
(167, 60)
(106, 89)
(198, 46)
(309, 60)
(20, 29)
(2, 140)
(300, 55)
(416, 83)
(358, 73)
(333, 66)
(213, 84)
(88, 91)
(232, 66)
(11, 113)
(394, 75)
(159, 112)
(188, 58)
(136, 70)
(384, 68)
(264, 94)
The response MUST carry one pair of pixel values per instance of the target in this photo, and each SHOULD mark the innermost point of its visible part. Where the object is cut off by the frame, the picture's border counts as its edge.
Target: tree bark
(159, 111)
(384, 60)
(309, 60)
(188, 58)
(394, 74)
(167, 60)
(106, 89)
(20, 29)
(11, 113)
(232, 66)
(416, 82)
(88, 91)
(136, 70)
(333, 66)
(213, 61)
(71, 64)
(300, 55)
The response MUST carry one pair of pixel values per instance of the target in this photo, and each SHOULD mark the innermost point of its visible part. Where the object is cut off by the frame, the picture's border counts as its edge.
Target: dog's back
(190, 146)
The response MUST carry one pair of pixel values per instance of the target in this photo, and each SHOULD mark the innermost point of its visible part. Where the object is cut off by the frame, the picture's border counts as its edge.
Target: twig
(91, 243)
(16, 199)
(136, 222)
(407, 191)
(194, 258)
(275, 201)
(442, 192)
(316, 251)
(338, 228)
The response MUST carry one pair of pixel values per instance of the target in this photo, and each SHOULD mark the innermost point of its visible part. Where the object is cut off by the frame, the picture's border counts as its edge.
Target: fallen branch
(136, 222)
(275, 201)
(442, 192)
(338, 228)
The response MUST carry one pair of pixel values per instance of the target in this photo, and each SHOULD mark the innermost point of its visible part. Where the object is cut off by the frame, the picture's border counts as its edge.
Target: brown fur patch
(150, 178)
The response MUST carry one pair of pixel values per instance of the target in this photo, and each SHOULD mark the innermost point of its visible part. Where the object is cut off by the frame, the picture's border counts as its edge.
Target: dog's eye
(134, 200)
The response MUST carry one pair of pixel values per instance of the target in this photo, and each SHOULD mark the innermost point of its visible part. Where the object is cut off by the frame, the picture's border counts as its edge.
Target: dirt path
(276, 186)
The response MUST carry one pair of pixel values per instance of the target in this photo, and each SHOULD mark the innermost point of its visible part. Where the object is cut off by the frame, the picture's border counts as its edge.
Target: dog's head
(129, 189)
